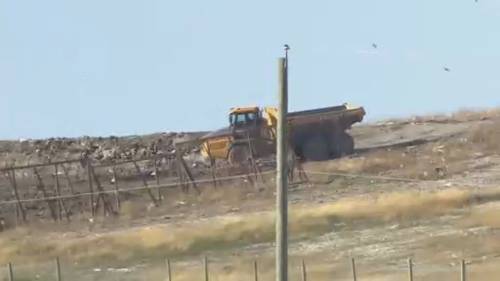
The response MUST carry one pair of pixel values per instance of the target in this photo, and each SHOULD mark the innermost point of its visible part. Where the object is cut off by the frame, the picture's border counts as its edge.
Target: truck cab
(249, 128)
(244, 116)
(245, 122)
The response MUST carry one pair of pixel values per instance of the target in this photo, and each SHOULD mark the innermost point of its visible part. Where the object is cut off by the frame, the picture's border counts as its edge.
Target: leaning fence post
(68, 179)
(169, 270)
(58, 193)
(353, 267)
(91, 187)
(463, 272)
(41, 187)
(117, 189)
(11, 272)
(205, 265)
(304, 271)
(145, 183)
(410, 269)
(16, 194)
(58, 270)
(60, 203)
(157, 178)
(255, 270)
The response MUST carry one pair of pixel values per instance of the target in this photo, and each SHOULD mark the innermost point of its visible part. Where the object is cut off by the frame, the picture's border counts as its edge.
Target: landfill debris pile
(99, 149)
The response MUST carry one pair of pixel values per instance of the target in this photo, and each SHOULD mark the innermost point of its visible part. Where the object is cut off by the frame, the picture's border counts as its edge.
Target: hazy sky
(70, 68)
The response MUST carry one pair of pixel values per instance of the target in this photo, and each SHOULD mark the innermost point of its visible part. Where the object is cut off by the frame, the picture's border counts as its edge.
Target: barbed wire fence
(66, 185)
(349, 269)
(101, 185)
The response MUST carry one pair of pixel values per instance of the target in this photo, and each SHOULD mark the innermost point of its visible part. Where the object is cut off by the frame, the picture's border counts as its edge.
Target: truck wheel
(344, 145)
(238, 155)
(316, 149)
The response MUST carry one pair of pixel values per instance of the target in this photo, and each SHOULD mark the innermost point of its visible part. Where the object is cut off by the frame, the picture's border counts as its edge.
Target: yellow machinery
(317, 134)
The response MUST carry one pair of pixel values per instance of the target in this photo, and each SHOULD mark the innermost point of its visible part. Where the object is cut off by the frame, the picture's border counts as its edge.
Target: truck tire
(343, 145)
(315, 148)
(238, 155)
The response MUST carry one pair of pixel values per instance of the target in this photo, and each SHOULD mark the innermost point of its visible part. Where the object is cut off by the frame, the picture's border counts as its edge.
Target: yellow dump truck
(317, 134)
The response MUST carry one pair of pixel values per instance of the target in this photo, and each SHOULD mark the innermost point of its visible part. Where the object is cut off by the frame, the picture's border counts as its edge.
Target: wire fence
(207, 271)
(177, 183)
(129, 189)
(93, 186)
(204, 181)
(89, 187)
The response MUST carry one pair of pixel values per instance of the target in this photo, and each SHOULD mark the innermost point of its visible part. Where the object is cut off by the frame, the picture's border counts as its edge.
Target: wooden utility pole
(281, 176)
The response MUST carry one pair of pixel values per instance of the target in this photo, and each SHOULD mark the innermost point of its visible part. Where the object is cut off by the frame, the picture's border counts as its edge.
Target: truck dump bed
(331, 109)
(343, 114)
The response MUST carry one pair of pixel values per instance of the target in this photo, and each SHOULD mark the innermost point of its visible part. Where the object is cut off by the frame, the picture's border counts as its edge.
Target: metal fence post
(410, 269)
(205, 265)
(353, 267)
(11, 272)
(255, 270)
(169, 270)
(304, 271)
(58, 270)
(463, 272)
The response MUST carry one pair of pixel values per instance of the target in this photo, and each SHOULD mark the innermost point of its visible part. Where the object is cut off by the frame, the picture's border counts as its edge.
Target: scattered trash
(180, 203)
(120, 270)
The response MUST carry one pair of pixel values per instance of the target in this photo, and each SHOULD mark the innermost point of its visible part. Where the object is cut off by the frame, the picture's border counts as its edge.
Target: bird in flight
(446, 69)
(375, 46)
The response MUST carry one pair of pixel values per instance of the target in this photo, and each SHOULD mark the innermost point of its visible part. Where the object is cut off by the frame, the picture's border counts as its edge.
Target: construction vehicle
(315, 135)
